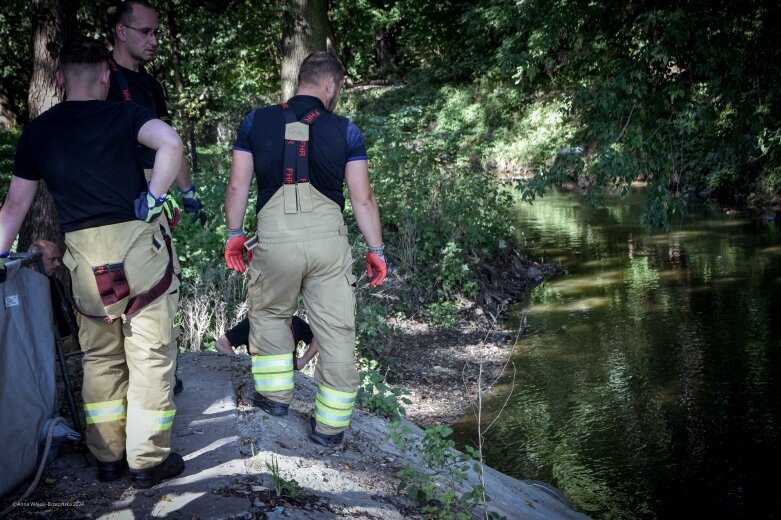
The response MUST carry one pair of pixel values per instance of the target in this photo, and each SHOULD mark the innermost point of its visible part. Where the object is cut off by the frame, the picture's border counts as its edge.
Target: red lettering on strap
(289, 175)
(126, 94)
(302, 149)
(311, 116)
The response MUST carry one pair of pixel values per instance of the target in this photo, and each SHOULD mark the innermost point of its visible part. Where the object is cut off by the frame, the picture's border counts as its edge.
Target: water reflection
(649, 383)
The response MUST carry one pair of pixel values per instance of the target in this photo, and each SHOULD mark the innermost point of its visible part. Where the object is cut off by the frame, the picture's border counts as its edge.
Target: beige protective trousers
(129, 363)
(304, 253)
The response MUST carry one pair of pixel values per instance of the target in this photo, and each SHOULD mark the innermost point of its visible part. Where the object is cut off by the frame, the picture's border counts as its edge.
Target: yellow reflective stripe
(159, 420)
(274, 382)
(105, 411)
(336, 399)
(333, 407)
(106, 418)
(275, 363)
(334, 421)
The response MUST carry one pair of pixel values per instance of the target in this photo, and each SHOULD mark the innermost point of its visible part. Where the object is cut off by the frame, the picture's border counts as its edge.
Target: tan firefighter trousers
(304, 253)
(128, 363)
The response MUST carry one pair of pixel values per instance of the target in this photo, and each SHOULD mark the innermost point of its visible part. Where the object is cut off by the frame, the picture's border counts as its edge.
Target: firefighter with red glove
(301, 155)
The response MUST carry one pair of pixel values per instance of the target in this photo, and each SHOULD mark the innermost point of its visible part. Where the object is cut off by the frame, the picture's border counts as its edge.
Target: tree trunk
(305, 30)
(55, 21)
(384, 49)
(8, 116)
(187, 124)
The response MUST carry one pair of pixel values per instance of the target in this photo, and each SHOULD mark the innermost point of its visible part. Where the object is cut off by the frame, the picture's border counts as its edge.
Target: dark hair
(125, 11)
(81, 50)
(318, 66)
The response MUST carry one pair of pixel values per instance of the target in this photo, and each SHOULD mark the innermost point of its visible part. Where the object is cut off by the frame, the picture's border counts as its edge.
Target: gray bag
(28, 392)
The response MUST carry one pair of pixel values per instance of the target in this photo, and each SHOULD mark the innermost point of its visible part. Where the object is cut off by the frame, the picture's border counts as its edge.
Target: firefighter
(301, 155)
(137, 35)
(118, 255)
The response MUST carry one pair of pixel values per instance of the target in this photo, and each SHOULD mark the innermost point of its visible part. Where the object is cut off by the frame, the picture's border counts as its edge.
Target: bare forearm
(235, 206)
(238, 189)
(168, 162)
(168, 157)
(21, 193)
(10, 222)
(367, 215)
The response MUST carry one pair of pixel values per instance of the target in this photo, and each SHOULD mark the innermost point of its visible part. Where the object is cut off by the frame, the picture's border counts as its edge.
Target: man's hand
(234, 253)
(376, 267)
(192, 204)
(149, 208)
(3, 271)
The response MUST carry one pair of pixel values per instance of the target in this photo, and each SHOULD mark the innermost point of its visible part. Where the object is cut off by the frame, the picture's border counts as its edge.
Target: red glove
(375, 268)
(234, 254)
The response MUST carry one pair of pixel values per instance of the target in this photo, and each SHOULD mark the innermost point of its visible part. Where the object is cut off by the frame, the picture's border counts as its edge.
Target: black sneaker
(110, 471)
(172, 466)
(179, 386)
(267, 405)
(329, 441)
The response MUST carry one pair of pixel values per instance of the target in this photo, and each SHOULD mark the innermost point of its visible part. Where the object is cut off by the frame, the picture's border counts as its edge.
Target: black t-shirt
(86, 153)
(143, 89)
(333, 142)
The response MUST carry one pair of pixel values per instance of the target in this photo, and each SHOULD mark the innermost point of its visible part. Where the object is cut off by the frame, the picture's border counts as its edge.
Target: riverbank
(242, 463)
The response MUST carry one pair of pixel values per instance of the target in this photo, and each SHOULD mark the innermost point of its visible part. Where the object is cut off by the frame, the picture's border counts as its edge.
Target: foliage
(7, 151)
(372, 331)
(16, 61)
(282, 487)
(229, 54)
(377, 395)
(442, 489)
(440, 210)
(684, 95)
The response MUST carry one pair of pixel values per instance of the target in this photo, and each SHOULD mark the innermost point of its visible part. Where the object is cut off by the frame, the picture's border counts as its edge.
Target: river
(649, 381)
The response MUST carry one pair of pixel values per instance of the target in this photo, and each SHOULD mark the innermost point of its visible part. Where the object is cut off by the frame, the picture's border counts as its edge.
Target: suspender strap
(296, 159)
(121, 79)
(143, 299)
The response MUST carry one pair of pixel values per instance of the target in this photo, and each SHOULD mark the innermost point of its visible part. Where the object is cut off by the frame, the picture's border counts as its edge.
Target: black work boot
(178, 386)
(110, 471)
(267, 405)
(172, 466)
(329, 441)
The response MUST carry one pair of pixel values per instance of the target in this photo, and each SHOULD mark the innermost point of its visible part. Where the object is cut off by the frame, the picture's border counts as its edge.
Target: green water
(649, 382)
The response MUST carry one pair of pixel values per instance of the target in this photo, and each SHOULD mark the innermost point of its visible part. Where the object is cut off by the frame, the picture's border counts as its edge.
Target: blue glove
(3, 259)
(149, 208)
(192, 204)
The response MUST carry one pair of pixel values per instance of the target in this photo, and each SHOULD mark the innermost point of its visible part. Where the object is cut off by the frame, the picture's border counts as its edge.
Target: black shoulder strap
(121, 79)
(296, 159)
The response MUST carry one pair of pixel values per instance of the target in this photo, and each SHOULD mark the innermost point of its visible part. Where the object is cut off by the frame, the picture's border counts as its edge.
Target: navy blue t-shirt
(86, 153)
(333, 142)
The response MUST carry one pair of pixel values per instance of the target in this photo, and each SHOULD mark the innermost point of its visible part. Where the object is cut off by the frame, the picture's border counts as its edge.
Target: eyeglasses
(147, 32)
